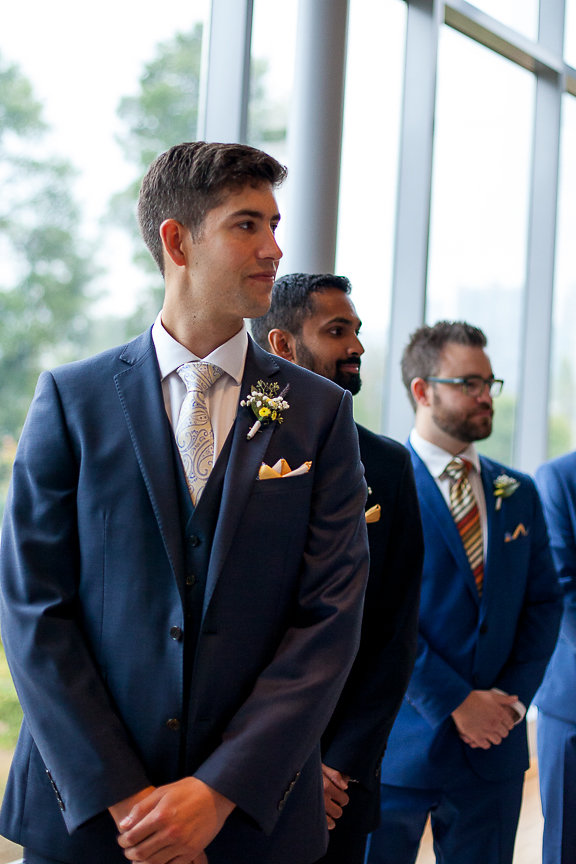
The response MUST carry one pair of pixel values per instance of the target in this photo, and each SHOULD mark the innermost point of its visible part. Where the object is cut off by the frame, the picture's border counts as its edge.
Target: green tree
(43, 272)
(164, 112)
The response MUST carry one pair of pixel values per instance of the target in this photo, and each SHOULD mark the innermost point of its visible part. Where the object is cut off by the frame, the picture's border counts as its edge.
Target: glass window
(367, 208)
(570, 33)
(562, 407)
(521, 15)
(271, 83)
(479, 207)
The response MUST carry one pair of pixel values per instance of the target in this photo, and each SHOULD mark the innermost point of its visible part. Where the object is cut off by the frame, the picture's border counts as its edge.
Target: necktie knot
(198, 376)
(457, 468)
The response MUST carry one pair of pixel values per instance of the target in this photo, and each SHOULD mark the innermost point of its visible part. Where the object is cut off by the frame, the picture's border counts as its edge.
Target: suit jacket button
(190, 580)
(194, 540)
(176, 633)
(173, 724)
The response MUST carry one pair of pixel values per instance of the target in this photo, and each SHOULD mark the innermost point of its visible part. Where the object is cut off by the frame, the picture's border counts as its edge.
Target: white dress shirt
(222, 398)
(436, 459)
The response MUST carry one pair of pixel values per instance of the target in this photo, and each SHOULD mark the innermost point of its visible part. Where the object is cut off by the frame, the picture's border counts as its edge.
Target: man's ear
(420, 391)
(172, 234)
(282, 343)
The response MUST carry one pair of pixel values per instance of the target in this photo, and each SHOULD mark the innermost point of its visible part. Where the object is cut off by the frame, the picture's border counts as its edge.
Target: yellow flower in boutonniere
(504, 487)
(266, 404)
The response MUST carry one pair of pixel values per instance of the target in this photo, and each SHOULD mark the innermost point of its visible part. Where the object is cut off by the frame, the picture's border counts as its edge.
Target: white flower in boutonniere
(266, 404)
(504, 487)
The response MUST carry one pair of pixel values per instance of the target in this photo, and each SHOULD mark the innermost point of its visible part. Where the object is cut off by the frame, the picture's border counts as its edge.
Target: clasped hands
(171, 824)
(485, 718)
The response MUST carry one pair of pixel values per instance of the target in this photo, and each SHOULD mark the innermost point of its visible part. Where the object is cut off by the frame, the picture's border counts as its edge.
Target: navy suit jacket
(556, 481)
(93, 571)
(357, 735)
(502, 640)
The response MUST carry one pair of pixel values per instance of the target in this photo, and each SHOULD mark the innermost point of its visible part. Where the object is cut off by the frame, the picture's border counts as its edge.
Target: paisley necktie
(194, 434)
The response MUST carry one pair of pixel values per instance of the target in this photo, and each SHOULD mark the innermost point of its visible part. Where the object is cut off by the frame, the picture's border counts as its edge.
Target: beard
(465, 427)
(350, 381)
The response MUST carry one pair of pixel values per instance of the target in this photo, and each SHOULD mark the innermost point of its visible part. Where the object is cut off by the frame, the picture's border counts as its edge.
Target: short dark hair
(421, 356)
(190, 179)
(292, 302)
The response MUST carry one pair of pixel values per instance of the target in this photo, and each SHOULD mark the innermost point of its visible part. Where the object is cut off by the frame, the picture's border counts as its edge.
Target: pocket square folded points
(281, 469)
(519, 531)
(373, 514)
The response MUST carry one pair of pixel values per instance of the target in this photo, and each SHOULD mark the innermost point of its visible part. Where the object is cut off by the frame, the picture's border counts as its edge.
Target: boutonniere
(504, 487)
(266, 404)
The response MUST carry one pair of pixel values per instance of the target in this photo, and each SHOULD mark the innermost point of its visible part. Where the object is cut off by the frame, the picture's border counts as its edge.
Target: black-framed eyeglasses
(472, 385)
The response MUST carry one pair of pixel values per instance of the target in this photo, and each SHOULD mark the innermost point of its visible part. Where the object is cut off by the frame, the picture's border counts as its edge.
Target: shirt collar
(171, 354)
(436, 459)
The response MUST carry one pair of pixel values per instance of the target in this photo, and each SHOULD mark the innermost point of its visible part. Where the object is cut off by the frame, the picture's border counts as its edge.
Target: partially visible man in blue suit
(489, 617)
(183, 560)
(312, 322)
(556, 698)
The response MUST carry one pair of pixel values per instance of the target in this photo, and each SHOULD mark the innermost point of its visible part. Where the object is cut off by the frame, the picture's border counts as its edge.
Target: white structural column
(226, 72)
(413, 204)
(315, 137)
(532, 419)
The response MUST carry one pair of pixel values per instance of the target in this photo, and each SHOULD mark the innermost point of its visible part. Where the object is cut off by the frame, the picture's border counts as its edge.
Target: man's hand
(485, 718)
(174, 823)
(335, 795)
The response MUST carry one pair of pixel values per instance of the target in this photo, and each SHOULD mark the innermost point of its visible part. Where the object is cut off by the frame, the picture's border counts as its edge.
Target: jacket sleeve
(539, 619)
(356, 737)
(558, 496)
(65, 702)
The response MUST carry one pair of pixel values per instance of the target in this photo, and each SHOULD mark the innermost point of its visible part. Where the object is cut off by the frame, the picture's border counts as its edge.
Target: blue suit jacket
(92, 576)
(556, 482)
(503, 640)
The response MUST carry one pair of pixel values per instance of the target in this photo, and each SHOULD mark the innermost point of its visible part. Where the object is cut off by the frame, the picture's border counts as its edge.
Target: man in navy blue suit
(183, 560)
(489, 617)
(556, 698)
(312, 322)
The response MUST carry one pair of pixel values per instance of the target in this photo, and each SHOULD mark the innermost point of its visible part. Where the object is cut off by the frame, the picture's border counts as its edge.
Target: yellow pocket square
(281, 469)
(519, 531)
(373, 513)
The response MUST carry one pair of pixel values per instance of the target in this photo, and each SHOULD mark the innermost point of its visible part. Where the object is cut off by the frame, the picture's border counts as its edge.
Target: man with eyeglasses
(488, 620)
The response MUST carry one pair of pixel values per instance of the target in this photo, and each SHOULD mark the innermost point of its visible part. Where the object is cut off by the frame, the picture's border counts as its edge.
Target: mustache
(354, 359)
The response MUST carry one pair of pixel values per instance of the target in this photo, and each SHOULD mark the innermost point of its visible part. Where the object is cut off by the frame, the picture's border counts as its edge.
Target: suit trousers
(557, 774)
(475, 823)
(345, 848)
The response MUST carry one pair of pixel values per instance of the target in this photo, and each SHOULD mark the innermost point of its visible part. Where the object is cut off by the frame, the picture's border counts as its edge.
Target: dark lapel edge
(432, 500)
(244, 463)
(140, 391)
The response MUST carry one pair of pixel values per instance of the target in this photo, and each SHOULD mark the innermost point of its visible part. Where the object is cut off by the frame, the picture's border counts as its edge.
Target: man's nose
(356, 347)
(270, 248)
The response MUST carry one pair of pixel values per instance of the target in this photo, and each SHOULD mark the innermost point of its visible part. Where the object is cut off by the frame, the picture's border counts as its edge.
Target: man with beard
(313, 323)
(488, 620)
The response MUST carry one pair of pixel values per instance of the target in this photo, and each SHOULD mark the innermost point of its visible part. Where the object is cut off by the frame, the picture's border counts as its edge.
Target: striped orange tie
(467, 516)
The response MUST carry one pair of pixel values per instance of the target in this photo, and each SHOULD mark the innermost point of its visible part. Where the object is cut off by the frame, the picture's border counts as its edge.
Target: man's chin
(353, 383)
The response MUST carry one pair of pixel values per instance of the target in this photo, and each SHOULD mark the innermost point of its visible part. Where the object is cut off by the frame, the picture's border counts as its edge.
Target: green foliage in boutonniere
(504, 487)
(266, 404)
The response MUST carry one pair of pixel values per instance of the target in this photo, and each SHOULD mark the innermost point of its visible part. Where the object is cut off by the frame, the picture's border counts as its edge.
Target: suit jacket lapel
(140, 391)
(244, 463)
(494, 527)
(432, 501)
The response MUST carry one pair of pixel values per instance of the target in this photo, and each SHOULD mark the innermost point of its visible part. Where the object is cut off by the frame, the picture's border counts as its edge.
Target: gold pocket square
(519, 531)
(373, 513)
(281, 469)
